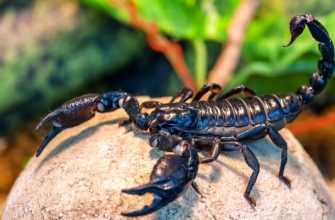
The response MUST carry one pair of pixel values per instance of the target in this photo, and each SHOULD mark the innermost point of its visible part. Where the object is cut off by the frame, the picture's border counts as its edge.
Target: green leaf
(184, 19)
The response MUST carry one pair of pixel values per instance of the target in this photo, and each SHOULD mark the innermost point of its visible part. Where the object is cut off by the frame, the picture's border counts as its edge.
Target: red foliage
(172, 51)
(312, 124)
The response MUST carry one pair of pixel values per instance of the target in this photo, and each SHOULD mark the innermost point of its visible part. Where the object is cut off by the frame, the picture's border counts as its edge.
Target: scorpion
(218, 123)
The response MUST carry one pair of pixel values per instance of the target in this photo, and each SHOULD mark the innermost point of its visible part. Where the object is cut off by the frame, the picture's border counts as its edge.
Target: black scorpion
(222, 122)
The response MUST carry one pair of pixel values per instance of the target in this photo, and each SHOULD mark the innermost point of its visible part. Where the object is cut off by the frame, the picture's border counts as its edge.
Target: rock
(82, 171)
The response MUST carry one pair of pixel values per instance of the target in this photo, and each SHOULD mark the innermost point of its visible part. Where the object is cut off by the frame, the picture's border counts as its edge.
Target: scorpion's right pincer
(170, 178)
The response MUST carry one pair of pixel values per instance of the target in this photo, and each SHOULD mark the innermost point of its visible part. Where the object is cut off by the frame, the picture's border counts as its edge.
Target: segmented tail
(318, 81)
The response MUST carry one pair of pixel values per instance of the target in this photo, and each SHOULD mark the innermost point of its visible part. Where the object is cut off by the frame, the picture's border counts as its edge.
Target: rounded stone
(82, 171)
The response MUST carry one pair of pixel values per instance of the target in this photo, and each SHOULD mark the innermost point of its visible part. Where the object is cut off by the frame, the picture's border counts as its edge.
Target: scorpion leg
(184, 94)
(246, 91)
(252, 162)
(277, 139)
(215, 89)
(150, 104)
(212, 145)
(280, 142)
(171, 177)
(172, 143)
(196, 188)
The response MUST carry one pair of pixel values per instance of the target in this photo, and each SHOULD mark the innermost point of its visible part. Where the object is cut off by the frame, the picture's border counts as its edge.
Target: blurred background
(52, 51)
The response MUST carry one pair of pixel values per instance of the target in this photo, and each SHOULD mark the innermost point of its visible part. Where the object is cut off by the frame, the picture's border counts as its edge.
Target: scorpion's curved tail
(318, 81)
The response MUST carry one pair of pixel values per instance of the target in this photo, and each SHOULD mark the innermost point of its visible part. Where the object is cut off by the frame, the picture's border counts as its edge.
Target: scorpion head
(172, 116)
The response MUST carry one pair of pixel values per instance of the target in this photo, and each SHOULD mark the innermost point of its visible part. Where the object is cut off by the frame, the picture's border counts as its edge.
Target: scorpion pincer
(219, 123)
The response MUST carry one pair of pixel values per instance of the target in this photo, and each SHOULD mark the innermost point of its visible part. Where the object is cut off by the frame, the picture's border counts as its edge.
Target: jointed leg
(212, 145)
(196, 188)
(252, 162)
(281, 143)
(277, 139)
(184, 94)
(150, 104)
(215, 89)
(236, 90)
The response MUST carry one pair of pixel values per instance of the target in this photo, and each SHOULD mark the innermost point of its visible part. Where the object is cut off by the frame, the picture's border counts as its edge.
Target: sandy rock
(82, 171)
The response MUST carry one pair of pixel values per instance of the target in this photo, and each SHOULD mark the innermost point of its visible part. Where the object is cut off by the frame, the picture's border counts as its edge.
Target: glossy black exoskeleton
(218, 123)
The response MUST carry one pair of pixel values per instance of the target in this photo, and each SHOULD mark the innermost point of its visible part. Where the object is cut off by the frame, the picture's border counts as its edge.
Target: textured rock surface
(82, 171)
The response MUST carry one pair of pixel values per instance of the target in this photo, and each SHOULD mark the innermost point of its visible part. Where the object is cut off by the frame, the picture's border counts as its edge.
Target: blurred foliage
(264, 59)
(39, 69)
(315, 7)
(194, 21)
(14, 4)
(287, 8)
(183, 19)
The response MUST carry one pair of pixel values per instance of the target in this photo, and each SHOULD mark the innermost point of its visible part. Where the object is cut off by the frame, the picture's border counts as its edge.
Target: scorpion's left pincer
(70, 114)
(171, 177)
(77, 111)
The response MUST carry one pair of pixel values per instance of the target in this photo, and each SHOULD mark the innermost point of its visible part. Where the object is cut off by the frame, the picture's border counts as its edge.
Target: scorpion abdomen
(281, 109)
(232, 116)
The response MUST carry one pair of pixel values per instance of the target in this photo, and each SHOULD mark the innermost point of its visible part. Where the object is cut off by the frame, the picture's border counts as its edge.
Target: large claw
(171, 177)
(71, 113)
(83, 108)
